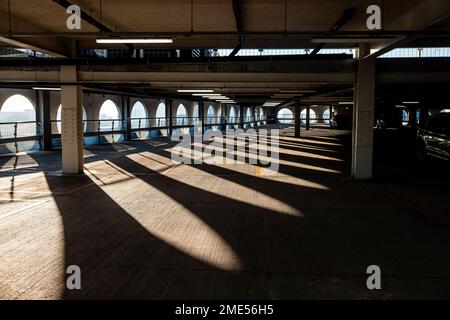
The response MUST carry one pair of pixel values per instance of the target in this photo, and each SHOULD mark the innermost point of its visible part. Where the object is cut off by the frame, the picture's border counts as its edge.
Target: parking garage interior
(90, 123)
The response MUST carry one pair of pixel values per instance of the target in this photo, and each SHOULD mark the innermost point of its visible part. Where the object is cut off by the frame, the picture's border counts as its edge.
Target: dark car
(341, 121)
(433, 139)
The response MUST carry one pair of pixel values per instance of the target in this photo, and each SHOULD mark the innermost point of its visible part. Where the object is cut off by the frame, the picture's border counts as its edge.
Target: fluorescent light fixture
(346, 103)
(298, 91)
(271, 104)
(411, 102)
(116, 41)
(195, 91)
(206, 95)
(351, 40)
(46, 89)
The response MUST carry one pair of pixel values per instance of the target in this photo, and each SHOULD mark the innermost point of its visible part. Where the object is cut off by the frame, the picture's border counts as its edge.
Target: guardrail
(19, 131)
(138, 124)
(312, 121)
(31, 130)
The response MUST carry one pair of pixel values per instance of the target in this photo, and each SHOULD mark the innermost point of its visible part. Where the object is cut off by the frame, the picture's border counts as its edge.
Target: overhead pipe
(126, 34)
(92, 21)
(346, 16)
(237, 9)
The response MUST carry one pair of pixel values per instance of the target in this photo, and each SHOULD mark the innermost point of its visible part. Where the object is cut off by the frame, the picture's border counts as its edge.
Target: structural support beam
(297, 121)
(308, 117)
(254, 116)
(169, 116)
(201, 112)
(417, 17)
(241, 116)
(346, 16)
(363, 118)
(224, 117)
(71, 122)
(93, 22)
(237, 9)
(126, 103)
(43, 99)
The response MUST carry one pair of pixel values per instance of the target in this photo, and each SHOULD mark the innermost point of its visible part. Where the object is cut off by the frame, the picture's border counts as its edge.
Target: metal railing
(303, 120)
(20, 130)
(213, 120)
(149, 123)
(184, 121)
(31, 130)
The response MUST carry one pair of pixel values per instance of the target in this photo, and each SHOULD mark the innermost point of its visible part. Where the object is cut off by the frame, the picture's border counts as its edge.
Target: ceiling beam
(51, 46)
(347, 15)
(237, 10)
(262, 80)
(93, 22)
(420, 18)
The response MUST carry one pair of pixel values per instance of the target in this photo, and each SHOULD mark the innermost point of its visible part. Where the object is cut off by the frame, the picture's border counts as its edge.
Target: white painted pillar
(363, 117)
(71, 122)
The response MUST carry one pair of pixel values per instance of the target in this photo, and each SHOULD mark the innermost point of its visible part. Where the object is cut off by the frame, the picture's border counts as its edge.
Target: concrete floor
(141, 227)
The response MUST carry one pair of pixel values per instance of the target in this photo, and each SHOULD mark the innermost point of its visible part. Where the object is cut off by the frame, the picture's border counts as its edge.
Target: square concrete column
(201, 112)
(363, 118)
(169, 116)
(297, 121)
(43, 102)
(308, 117)
(126, 114)
(71, 122)
(241, 117)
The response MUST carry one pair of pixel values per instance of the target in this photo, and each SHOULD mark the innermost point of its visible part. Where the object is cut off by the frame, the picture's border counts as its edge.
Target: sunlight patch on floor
(175, 225)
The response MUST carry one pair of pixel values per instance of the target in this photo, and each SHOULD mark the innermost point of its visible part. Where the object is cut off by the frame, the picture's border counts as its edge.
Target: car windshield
(439, 123)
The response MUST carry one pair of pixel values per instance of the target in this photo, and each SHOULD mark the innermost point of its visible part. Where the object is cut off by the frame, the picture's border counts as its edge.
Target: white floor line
(23, 209)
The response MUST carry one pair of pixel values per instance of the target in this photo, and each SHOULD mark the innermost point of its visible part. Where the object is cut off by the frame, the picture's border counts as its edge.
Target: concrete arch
(291, 108)
(5, 94)
(139, 110)
(195, 110)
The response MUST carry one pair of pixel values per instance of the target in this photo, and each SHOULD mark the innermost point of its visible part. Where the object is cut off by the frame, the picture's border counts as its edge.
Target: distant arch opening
(312, 116)
(211, 115)
(285, 116)
(326, 116)
(18, 108)
(109, 116)
(139, 116)
(181, 115)
(248, 115)
(161, 115)
(232, 114)
(195, 111)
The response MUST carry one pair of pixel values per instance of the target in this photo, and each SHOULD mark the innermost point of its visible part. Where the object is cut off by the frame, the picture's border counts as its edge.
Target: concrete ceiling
(41, 25)
(212, 23)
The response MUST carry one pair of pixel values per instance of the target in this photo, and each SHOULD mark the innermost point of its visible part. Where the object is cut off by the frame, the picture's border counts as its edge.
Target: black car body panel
(433, 139)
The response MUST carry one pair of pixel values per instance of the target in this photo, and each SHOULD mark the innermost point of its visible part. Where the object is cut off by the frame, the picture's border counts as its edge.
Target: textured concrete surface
(141, 227)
